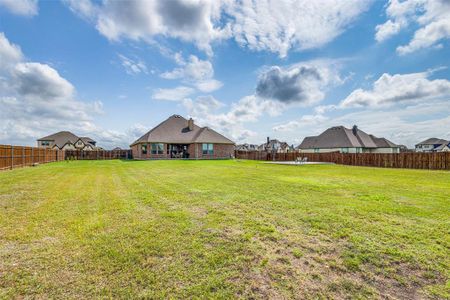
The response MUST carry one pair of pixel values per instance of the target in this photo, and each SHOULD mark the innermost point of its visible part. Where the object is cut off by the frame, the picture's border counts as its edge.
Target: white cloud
(36, 100)
(83, 8)
(272, 25)
(10, 54)
(399, 88)
(40, 81)
(196, 72)
(249, 109)
(432, 17)
(304, 83)
(189, 20)
(306, 120)
(131, 66)
(208, 85)
(175, 94)
(21, 7)
(278, 26)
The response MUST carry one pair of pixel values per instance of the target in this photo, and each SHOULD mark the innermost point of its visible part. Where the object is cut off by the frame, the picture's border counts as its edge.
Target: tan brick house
(178, 137)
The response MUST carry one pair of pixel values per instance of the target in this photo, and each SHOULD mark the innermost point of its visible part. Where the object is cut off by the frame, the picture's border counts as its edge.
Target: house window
(344, 150)
(208, 149)
(157, 148)
(144, 149)
(45, 143)
(358, 150)
(316, 150)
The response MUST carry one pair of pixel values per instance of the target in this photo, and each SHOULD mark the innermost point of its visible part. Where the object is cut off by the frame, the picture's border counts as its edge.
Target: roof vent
(355, 129)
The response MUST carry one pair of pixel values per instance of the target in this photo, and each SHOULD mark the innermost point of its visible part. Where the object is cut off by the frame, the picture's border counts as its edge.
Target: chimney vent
(355, 129)
(191, 124)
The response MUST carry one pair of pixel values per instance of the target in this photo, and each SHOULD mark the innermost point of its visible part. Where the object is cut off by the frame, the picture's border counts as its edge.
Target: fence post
(12, 157)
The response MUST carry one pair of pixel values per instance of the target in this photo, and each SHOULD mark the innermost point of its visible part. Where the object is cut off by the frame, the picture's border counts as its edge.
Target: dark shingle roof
(433, 141)
(87, 140)
(175, 130)
(60, 138)
(63, 137)
(341, 137)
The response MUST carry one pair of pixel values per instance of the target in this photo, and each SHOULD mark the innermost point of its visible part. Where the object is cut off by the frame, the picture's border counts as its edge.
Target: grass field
(221, 229)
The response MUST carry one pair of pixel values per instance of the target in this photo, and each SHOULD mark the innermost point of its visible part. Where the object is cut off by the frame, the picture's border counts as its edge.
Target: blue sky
(249, 69)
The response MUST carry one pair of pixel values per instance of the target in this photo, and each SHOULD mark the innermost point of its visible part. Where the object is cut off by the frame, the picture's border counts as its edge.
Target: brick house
(177, 137)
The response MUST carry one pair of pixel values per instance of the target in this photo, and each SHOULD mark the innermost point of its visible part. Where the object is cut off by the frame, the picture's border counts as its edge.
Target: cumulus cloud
(10, 54)
(432, 17)
(196, 72)
(271, 25)
(304, 121)
(21, 7)
(279, 26)
(399, 88)
(131, 66)
(300, 84)
(209, 111)
(193, 21)
(175, 94)
(36, 100)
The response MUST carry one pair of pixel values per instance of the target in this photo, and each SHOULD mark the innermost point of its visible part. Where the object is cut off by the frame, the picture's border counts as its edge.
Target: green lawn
(221, 229)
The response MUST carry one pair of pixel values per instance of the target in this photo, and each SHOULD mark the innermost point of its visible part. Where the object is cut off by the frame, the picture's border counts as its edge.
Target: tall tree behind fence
(21, 156)
(408, 160)
(100, 154)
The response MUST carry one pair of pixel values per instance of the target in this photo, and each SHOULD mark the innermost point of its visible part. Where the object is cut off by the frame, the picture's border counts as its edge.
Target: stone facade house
(344, 140)
(178, 137)
(66, 140)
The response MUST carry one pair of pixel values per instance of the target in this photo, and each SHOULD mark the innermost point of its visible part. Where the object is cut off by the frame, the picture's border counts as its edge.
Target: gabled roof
(175, 130)
(341, 137)
(65, 137)
(433, 141)
(441, 147)
(61, 138)
(87, 140)
(383, 142)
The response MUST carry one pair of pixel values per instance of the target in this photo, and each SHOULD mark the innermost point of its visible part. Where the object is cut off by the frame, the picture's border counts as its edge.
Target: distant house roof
(175, 130)
(87, 140)
(273, 144)
(61, 138)
(341, 137)
(433, 141)
(117, 148)
(441, 147)
(65, 137)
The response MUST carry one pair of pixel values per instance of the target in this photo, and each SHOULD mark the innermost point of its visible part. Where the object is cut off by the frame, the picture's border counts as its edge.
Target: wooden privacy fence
(21, 156)
(407, 160)
(98, 154)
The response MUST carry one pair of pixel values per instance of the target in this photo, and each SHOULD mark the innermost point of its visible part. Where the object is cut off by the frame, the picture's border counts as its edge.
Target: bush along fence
(21, 156)
(98, 154)
(407, 160)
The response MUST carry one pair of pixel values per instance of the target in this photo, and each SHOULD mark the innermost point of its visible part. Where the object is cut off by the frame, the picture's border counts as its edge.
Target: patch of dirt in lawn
(27, 265)
(312, 267)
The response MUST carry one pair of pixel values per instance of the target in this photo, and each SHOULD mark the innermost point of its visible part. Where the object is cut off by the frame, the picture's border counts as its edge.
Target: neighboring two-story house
(275, 146)
(433, 145)
(66, 140)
